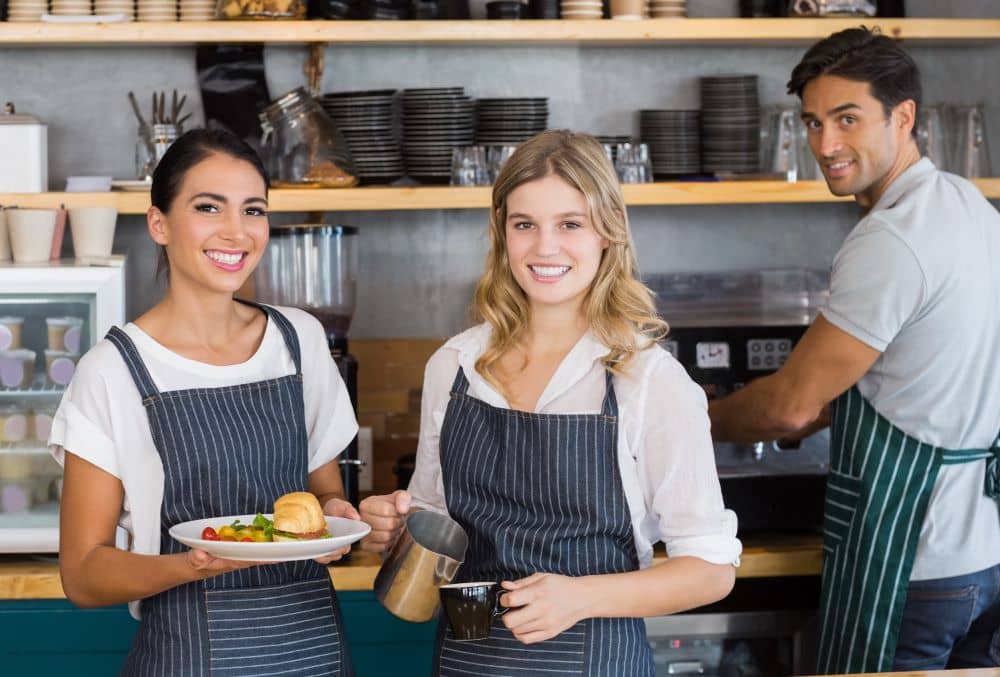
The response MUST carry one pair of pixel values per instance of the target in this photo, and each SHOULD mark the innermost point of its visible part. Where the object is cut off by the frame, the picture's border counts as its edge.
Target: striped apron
(539, 493)
(877, 494)
(229, 451)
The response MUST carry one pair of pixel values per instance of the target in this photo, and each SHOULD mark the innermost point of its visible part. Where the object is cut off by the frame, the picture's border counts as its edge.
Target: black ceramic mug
(471, 608)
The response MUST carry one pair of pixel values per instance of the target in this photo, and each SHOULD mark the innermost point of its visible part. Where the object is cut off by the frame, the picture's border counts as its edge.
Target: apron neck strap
(609, 407)
(136, 367)
(286, 328)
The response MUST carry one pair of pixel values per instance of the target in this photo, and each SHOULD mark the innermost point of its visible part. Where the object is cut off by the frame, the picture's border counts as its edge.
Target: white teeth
(549, 271)
(227, 259)
(839, 165)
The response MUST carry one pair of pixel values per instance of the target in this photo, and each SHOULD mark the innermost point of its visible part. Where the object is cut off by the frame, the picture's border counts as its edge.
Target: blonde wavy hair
(618, 308)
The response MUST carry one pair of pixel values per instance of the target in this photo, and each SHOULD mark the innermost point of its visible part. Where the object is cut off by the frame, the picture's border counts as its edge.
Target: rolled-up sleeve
(82, 424)
(676, 462)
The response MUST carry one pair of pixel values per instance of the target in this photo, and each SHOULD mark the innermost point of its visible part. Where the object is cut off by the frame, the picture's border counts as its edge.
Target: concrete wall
(418, 268)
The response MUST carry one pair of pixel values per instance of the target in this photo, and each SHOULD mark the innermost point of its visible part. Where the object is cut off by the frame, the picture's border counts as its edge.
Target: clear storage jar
(302, 146)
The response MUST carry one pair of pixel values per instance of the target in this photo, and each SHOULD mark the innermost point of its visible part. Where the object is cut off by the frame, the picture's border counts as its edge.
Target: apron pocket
(503, 654)
(843, 492)
(282, 629)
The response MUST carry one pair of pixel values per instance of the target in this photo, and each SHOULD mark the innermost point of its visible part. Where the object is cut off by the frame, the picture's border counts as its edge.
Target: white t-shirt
(101, 418)
(664, 448)
(919, 279)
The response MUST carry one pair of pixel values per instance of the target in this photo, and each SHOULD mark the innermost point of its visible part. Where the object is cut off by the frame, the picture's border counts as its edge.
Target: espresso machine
(315, 268)
(728, 328)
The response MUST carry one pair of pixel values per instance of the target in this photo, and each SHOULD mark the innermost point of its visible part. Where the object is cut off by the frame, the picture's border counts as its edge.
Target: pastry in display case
(50, 314)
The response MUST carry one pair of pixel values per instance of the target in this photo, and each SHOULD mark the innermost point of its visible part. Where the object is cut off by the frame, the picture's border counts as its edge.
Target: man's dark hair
(862, 55)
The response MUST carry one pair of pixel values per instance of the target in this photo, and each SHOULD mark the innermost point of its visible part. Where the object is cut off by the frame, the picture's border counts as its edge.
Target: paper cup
(64, 333)
(31, 232)
(92, 230)
(10, 332)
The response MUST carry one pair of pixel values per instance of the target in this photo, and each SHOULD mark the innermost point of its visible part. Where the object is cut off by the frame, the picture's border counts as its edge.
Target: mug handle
(499, 609)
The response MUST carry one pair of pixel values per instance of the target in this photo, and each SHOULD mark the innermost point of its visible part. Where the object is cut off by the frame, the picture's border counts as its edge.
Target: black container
(763, 8)
(506, 9)
(890, 8)
(543, 9)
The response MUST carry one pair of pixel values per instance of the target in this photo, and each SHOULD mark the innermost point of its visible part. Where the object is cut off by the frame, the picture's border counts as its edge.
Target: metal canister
(426, 556)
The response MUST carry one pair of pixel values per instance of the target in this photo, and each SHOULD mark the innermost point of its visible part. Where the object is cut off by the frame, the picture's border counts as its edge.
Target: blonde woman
(564, 439)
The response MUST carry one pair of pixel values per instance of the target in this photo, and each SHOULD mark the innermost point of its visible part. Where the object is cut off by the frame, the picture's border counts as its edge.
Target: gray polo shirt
(919, 280)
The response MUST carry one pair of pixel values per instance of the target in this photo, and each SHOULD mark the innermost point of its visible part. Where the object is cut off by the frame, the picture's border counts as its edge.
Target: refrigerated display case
(50, 314)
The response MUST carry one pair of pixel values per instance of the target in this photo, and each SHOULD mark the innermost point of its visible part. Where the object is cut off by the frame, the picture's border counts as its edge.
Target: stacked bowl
(436, 121)
(667, 9)
(581, 9)
(70, 8)
(26, 10)
(122, 7)
(673, 140)
(157, 10)
(368, 122)
(508, 122)
(197, 10)
(730, 124)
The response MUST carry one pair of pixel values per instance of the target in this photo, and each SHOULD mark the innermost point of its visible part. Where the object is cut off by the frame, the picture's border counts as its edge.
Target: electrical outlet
(367, 467)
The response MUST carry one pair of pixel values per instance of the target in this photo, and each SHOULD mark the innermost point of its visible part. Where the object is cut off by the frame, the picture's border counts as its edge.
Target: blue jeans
(951, 623)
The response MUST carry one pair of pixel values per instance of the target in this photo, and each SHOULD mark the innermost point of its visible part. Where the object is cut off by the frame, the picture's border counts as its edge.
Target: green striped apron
(877, 494)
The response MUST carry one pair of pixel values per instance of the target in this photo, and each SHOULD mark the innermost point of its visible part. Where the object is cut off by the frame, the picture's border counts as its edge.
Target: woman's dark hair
(862, 55)
(186, 152)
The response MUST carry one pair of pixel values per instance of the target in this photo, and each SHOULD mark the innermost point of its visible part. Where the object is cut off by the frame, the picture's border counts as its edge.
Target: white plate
(344, 532)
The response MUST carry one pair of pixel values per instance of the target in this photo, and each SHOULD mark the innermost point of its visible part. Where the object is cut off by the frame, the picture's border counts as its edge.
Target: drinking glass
(972, 152)
(931, 135)
(469, 166)
(632, 163)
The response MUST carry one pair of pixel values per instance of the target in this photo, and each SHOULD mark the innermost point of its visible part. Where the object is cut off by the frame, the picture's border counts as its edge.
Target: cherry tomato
(209, 534)
(246, 540)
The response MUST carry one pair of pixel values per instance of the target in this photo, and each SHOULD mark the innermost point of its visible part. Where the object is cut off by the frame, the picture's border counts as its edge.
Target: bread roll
(298, 513)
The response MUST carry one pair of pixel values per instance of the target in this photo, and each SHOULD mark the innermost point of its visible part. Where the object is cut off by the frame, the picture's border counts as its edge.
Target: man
(907, 352)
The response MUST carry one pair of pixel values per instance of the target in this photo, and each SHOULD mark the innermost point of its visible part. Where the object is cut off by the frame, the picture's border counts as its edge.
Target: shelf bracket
(313, 68)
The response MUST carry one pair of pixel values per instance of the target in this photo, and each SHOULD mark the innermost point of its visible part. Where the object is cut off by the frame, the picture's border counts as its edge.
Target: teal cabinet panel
(381, 645)
(53, 637)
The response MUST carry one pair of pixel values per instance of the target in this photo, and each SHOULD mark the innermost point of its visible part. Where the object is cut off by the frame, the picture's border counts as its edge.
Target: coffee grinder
(315, 268)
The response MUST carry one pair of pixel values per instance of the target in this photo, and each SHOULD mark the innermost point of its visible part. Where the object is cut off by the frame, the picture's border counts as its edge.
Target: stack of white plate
(581, 9)
(157, 10)
(197, 10)
(666, 9)
(70, 8)
(126, 7)
(26, 10)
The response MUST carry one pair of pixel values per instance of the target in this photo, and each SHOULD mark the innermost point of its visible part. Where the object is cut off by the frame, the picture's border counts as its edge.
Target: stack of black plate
(508, 122)
(730, 124)
(436, 121)
(674, 141)
(367, 121)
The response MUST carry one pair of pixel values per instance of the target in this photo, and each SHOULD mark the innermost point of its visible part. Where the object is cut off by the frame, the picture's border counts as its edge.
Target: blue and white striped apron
(539, 493)
(877, 494)
(231, 451)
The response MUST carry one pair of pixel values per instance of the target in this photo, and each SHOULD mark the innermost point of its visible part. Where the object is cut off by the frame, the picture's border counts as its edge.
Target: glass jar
(261, 9)
(302, 145)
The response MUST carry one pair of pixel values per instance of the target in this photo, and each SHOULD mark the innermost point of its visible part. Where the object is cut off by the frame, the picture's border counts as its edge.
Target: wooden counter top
(773, 555)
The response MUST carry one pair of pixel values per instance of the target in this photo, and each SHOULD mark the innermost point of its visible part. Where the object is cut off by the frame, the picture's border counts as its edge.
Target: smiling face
(552, 245)
(216, 229)
(859, 149)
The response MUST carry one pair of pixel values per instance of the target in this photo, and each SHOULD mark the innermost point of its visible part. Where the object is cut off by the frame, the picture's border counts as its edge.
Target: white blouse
(101, 418)
(665, 451)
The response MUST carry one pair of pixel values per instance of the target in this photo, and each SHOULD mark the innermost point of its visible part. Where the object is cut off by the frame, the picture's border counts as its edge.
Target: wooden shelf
(449, 197)
(694, 32)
